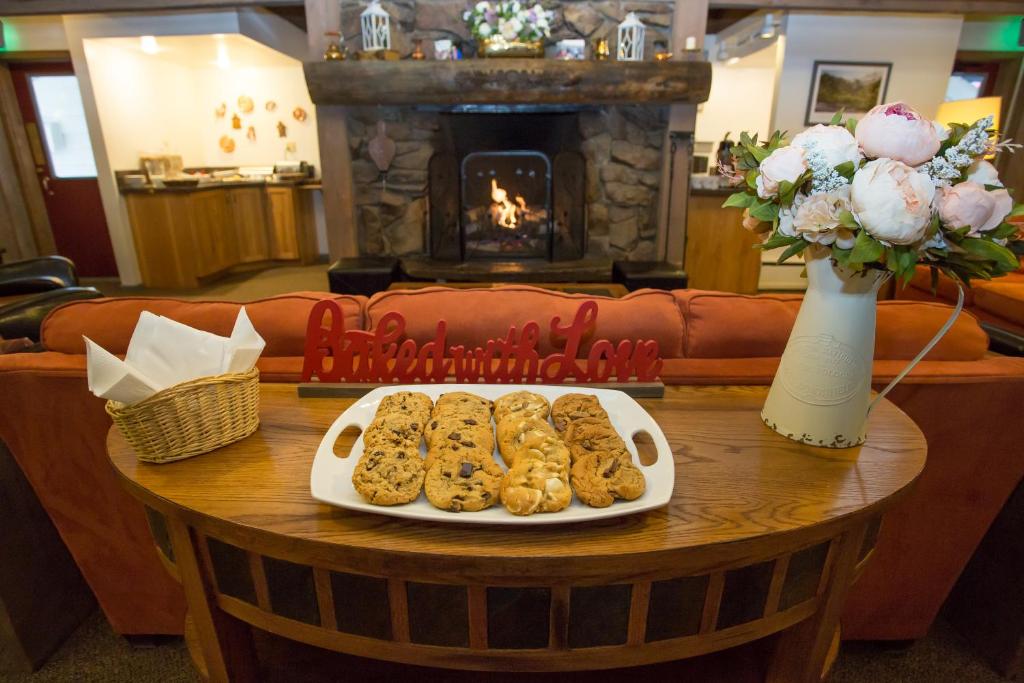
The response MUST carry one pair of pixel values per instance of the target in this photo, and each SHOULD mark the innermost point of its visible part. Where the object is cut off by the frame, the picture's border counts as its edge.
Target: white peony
(892, 201)
(484, 29)
(483, 6)
(785, 163)
(983, 173)
(835, 142)
(895, 131)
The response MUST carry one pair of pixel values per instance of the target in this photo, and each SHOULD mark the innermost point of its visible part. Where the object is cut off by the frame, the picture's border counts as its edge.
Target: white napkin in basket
(163, 352)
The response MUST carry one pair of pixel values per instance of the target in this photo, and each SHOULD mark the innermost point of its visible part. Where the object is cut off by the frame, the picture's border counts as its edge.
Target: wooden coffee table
(763, 536)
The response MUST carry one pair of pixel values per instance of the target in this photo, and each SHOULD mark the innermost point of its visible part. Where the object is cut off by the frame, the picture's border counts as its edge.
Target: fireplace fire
(509, 189)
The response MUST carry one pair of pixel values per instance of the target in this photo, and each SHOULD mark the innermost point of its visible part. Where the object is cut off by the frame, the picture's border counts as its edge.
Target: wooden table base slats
(706, 573)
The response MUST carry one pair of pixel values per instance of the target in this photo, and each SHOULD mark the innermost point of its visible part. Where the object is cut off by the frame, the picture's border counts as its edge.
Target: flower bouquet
(509, 29)
(863, 201)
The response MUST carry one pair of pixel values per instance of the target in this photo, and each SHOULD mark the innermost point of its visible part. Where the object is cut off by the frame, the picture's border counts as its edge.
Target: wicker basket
(191, 418)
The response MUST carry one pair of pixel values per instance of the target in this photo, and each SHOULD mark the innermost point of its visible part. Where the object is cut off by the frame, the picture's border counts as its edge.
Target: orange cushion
(724, 325)
(904, 327)
(1002, 298)
(922, 282)
(281, 320)
(476, 315)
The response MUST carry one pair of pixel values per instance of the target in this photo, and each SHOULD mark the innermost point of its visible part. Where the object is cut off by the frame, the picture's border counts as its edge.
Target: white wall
(921, 47)
(741, 98)
(33, 33)
(118, 134)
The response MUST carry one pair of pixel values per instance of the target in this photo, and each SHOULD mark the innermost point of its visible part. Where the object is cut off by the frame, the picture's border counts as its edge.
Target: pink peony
(892, 201)
(969, 204)
(895, 131)
(785, 163)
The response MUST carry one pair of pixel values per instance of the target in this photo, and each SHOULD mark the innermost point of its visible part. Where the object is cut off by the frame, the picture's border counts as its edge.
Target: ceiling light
(733, 60)
(148, 45)
(768, 27)
(223, 61)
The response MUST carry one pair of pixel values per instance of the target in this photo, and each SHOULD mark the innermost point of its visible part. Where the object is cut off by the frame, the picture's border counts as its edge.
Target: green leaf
(846, 169)
(792, 250)
(1004, 231)
(837, 118)
(842, 256)
(1017, 210)
(851, 125)
(778, 240)
(752, 179)
(1003, 257)
(847, 220)
(759, 153)
(740, 200)
(766, 210)
(866, 249)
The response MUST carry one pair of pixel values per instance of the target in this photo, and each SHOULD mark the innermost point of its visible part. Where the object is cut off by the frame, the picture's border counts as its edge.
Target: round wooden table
(763, 536)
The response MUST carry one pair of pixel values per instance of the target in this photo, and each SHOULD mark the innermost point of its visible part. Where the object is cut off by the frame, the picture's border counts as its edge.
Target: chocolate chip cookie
(413, 403)
(571, 407)
(600, 477)
(463, 400)
(590, 434)
(389, 476)
(457, 427)
(461, 439)
(524, 403)
(467, 482)
(535, 486)
(393, 430)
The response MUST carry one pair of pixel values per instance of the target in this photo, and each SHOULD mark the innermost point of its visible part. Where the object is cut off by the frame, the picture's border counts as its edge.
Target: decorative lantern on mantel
(376, 26)
(631, 39)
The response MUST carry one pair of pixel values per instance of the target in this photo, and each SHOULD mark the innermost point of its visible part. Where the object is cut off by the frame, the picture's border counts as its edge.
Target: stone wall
(622, 145)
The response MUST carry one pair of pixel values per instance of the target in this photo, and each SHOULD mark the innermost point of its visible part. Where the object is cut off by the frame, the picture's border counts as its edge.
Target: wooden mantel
(507, 81)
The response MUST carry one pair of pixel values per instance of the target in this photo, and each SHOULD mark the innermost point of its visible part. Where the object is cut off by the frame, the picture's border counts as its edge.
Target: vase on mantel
(822, 390)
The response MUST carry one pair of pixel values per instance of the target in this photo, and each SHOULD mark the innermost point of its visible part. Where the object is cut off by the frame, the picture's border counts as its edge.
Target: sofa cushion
(723, 325)
(281, 320)
(476, 315)
(1003, 299)
(945, 289)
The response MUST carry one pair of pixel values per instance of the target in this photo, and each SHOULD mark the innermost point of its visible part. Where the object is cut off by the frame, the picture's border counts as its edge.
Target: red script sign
(334, 354)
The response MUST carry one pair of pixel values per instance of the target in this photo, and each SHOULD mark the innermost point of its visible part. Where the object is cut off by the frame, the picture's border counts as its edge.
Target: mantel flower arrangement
(889, 192)
(508, 22)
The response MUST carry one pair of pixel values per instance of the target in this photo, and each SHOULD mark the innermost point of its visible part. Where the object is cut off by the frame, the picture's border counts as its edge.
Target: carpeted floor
(257, 284)
(94, 654)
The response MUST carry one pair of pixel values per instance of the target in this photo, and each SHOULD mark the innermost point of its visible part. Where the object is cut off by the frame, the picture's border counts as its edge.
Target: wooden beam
(338, 194)
(506, 81)
(27, 7)
(924, 6)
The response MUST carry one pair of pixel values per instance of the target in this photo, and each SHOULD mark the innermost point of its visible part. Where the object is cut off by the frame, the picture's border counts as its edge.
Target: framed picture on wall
(850, 87)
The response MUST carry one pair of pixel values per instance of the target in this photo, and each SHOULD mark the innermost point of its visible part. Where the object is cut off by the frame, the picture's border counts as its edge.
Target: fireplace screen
(506, 205)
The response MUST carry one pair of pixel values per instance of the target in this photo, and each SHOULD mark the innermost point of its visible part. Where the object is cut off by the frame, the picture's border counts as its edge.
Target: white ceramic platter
(331, 478)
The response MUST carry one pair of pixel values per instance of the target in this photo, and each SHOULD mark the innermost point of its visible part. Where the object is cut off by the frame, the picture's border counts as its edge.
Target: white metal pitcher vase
(821, 394)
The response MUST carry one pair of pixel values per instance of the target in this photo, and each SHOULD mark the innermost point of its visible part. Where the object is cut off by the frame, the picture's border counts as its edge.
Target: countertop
(146, 189)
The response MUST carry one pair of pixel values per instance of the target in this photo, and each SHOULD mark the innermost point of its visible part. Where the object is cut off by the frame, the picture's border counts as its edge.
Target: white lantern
(376, 28)
(631, 39)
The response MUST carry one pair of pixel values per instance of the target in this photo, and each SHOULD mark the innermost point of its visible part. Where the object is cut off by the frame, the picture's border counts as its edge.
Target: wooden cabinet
(245, 205)
(216, 247)
(720, 253)
(281, 221)
(183, 238)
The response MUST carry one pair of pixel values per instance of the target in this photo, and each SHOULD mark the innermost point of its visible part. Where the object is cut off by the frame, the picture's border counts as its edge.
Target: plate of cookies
(494, 454)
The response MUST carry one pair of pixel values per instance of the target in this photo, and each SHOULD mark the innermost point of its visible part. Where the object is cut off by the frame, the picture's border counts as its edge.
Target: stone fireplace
(531, 160)
(603, 167)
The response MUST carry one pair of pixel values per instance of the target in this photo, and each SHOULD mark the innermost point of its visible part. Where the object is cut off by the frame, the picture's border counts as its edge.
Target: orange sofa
(998, 304)
(964, 400)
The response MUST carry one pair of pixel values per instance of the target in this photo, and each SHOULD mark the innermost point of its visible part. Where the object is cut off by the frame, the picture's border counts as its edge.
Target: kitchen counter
(219, 185)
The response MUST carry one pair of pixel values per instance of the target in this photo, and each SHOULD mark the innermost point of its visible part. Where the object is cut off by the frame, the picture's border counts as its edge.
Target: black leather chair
(23, 317)
(37, 275)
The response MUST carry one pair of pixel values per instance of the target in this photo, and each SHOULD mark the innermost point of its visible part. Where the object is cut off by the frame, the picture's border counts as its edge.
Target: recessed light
(149, 45)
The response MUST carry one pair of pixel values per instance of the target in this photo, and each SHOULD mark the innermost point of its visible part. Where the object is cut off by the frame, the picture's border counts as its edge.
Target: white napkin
(163, 352)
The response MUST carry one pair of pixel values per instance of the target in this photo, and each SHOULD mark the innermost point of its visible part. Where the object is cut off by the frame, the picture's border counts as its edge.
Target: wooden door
(720, 253)
(214, 232)
(51, 107)
(250, 223)
(284, 243)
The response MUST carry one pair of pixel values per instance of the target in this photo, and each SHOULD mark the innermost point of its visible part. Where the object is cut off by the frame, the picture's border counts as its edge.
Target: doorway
(51, 108)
